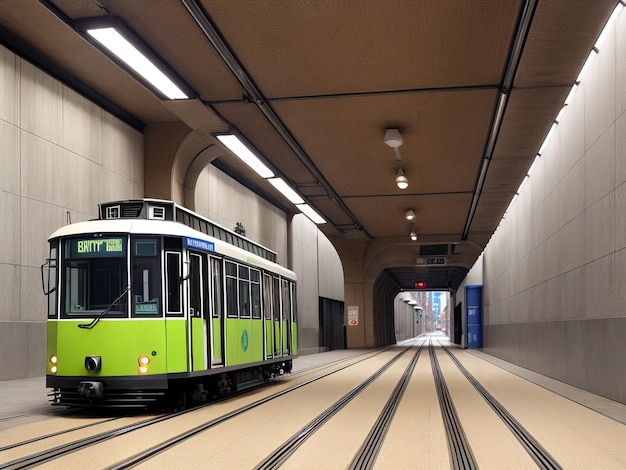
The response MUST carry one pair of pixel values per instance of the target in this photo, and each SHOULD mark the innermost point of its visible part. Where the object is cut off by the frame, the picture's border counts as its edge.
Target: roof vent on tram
(121, 210)
(156, 212)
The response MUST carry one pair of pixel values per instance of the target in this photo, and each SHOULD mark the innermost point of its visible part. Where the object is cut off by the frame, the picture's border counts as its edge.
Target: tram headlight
(143, 362)
(53, 364)
(93, 363)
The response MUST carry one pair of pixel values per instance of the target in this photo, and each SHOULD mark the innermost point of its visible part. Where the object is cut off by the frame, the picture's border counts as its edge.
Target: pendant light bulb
(401, 180)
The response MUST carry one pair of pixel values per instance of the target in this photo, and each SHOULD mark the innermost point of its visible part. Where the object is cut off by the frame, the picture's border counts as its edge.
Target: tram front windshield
(94, 276)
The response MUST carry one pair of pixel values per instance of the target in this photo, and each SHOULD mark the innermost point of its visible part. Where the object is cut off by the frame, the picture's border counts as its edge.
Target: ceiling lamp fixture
(413, 235)
(236, 145)
(394, 139)
(286, 190)
(410, 215)
(241, 149)
(401, 180)
(122, 45)
(311, 213)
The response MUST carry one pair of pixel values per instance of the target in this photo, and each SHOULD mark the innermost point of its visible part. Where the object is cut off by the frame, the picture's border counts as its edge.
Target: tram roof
(167, 228)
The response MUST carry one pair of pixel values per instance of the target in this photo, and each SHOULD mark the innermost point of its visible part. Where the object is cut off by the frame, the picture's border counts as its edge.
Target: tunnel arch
(384, 291)
(377, 270)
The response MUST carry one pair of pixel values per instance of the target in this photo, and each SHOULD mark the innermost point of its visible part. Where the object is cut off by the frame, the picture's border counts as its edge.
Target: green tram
(153, 303)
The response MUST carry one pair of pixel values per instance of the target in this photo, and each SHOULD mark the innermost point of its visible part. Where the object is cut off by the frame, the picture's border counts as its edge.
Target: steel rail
(461, 456)
(162, 447)
(64, 449)
(48, 455)
(289, 447)
(367, 454)
(54, 434)
(538, 453)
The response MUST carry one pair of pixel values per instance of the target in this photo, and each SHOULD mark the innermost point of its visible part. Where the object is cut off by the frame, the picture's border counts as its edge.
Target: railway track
(363, 393)
(366, 456)
(538, 453)
(289, 447)
(52, 453)
(461, 456)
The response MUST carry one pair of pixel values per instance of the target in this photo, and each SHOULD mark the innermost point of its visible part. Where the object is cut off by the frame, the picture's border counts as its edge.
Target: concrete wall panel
(9, 87)
(10, 158)
(557, 304)
(60, 159)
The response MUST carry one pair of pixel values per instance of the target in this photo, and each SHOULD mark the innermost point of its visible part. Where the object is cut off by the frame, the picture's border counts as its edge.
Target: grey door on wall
(332, 326)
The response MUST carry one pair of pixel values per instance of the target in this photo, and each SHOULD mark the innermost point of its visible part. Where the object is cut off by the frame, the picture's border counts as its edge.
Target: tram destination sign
(101, 247)
(199, 244)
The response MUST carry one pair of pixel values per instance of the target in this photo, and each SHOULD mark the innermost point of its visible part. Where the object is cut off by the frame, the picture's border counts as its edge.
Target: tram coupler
(91, 389)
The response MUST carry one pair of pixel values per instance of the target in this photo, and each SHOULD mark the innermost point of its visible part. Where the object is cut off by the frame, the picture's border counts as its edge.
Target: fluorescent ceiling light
(609, 25)
(235, 145)
(114, 37)
(118, 45)
(286, 190)
(310, 213)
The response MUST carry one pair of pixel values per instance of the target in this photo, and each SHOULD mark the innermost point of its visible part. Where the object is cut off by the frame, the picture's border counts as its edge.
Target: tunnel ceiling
(473, 87)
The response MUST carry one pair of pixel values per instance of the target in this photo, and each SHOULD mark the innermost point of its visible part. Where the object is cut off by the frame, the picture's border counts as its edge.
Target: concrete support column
(161, 144)
(358, 292)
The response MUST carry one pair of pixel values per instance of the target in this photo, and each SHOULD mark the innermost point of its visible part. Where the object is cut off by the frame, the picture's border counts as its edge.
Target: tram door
(277, 311)
(285, 324)
(198, 318)
(268, 329)
(216, 334)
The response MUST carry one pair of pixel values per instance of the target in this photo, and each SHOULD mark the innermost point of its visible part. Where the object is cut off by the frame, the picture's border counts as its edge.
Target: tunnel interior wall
(555, 270)
(61, 155)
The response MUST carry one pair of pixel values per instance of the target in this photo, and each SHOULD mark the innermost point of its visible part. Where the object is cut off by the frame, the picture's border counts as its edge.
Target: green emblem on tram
(244, 340)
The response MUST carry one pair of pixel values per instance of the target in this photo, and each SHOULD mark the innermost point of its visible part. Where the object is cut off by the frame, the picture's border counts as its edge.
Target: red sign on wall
(420, 284)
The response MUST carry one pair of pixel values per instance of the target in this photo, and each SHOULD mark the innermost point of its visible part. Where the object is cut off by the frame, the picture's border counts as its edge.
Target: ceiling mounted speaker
(393, 138)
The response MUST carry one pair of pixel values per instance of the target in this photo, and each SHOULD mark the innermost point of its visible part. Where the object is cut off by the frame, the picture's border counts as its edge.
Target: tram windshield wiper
(93, 322)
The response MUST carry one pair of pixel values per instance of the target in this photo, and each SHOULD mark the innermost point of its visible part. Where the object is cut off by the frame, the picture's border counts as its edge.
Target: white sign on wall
(353, 315)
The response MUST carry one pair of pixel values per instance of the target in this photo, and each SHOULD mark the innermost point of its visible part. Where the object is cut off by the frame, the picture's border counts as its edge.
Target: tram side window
(146, 283)
(244, 292)
(255, 292)
(267, 296)
(294, 301)
(218, 293)
(172, 283)
(232, 307)
(276, 300)
(286, 305)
